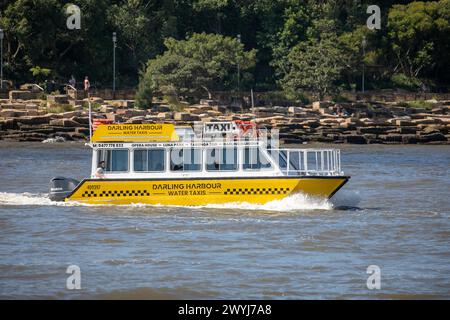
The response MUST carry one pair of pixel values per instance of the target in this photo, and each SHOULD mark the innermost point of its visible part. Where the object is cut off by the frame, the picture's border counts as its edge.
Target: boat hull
(194, 192)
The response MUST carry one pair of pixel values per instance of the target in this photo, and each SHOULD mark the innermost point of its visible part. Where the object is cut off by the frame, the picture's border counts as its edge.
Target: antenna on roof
(253, 103)
(90, 117)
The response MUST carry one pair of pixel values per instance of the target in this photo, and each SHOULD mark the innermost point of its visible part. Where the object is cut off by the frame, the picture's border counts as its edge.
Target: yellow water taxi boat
(209, 163)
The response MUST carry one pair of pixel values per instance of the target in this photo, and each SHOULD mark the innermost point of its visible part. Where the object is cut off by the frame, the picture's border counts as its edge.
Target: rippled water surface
(296, 248)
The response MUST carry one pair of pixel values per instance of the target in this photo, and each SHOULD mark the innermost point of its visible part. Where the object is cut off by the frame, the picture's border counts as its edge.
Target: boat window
(115, 160)
(221, 159)
(255, 159)
(185, 159)
(149, 160)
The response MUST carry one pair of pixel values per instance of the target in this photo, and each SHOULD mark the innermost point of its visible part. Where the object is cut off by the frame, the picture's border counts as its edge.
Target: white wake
(28, 199)
(291, 203)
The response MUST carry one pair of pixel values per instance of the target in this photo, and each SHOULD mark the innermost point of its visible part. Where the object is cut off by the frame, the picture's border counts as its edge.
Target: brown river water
(394, 213)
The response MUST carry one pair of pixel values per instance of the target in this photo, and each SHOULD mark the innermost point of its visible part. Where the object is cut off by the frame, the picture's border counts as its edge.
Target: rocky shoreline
(24, 117)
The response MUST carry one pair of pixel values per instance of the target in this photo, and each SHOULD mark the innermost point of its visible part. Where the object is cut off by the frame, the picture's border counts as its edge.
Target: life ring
(246, 126)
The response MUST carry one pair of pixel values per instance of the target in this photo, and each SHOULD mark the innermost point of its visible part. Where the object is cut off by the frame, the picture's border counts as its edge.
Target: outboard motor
(61, 187)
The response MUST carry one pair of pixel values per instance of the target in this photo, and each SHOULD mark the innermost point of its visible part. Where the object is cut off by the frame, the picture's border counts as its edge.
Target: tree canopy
(412, 43)
(201, 62)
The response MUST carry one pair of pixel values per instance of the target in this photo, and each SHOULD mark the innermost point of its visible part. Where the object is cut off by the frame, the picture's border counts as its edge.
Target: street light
(364, 64)
(114, 39)
(1, 57)
(238, 67)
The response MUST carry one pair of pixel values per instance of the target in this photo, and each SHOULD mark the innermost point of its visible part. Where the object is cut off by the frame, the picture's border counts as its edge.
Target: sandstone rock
(129, 103)
(69, 114)
(366, 122)
(420, 115)
(426, 121)
(374, 130)
(311, 123)
(166, 115)
(391, 138)
(136, 119)
(33, 120)
(410, 139)
(81, 120)
(76, 102)
(64, 123)
(106, 108)
(10, 124)
(151, 119)
(207, 119)
(432, 137)
(14, 106)
(203, 107)
(403, 123)
(131, 112)
(407, 130)
(161, 108)
(57, 99)
(12, 113)
(94, 100)
(317, 105)
(32, 113)
(429, 129)
(208, 102)
(355, 139)
(184, 116)
(296, 140)
(114, 117)
(33, 136)
(328, 121)
(192, 110)
(31, 106)
(220, 109)
(22, 95)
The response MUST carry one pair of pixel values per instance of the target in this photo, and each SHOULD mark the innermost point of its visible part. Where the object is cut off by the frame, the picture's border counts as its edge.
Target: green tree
(418, 33)
(314, 65)
(144, 93)
(353, 57)
(36, 35)
(201, 62)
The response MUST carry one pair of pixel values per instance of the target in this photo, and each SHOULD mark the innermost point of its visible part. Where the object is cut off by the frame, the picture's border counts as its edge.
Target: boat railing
(308, 162)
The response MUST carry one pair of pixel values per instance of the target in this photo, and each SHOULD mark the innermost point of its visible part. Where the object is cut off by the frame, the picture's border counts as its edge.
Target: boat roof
(152, 132)
(162, 132)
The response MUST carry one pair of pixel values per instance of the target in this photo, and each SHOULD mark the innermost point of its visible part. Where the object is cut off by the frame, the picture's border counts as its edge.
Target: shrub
(59, 108)
(402, 81)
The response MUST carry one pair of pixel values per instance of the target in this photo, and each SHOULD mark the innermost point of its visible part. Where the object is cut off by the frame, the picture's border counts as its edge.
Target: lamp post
(1, 57)
(114, 39)
(364, 63)
(238, 66)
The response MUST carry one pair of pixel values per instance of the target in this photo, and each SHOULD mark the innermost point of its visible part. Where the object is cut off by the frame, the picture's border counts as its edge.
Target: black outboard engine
(61, 187)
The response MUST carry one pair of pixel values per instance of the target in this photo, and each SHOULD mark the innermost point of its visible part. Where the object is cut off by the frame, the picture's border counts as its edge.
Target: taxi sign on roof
(134, 132)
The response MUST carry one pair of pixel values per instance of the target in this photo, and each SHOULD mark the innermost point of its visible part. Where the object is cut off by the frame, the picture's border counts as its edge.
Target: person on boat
(100, 172)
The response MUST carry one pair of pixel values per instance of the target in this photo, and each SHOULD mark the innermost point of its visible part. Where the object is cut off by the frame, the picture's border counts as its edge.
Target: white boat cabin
(215, 150)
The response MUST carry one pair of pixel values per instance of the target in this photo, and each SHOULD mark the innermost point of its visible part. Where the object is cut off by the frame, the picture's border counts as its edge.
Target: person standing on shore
(72, 81)
(87, 85)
